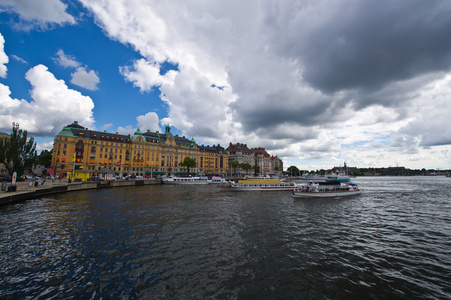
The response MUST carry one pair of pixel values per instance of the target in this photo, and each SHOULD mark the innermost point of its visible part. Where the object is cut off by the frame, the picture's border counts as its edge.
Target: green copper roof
(66, 132)
(167, 130)
(137, 134)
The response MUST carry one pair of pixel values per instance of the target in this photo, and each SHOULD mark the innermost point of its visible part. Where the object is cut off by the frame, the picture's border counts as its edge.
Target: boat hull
(308, 194)
(255, 188)
(259, 186)
(184, 182)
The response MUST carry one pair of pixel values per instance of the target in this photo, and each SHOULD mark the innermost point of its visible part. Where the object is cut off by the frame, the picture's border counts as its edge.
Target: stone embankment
(25, 190)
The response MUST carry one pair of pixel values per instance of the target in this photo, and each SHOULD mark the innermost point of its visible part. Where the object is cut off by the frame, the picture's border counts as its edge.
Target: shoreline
(24, 191)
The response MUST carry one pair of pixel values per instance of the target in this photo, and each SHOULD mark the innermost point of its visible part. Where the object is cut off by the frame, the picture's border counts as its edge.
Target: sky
(317, 83)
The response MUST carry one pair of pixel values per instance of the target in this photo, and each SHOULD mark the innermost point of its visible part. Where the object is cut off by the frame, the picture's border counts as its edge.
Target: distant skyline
(317, 83)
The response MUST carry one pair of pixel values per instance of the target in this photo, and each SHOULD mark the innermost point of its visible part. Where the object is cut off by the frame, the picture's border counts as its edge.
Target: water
(196, 242)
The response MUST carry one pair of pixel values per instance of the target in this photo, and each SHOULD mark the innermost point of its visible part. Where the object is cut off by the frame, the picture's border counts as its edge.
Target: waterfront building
(241, 153)
(276, 164)
(148, 153)
(213, 160)
(267, 164)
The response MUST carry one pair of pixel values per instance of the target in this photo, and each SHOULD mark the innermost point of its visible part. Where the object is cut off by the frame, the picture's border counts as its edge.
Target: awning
(155, 173)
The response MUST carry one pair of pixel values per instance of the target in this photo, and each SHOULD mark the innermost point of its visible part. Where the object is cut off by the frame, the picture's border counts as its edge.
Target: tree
(234, 165)
(256, 169)
(188, 162)
(246, 167)
(45, 159)
(293, 171)
(17, 153)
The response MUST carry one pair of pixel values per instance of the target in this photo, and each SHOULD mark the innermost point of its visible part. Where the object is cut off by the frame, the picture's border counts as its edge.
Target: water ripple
(393, 241)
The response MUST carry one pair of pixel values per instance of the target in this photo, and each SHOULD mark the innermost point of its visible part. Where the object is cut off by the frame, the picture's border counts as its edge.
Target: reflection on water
(393, 241)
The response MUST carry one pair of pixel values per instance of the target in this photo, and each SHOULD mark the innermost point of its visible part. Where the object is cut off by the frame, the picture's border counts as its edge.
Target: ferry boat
(337, 178)
(216, 180)
(259, 184)
(318, 190)
(326, 178)
(185, 180)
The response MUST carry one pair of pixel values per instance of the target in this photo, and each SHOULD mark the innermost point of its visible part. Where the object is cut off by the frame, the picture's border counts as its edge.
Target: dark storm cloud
(258, 110)
(368, 44)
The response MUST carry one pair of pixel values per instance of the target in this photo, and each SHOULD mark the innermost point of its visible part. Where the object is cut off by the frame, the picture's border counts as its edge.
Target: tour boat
(185, 180)
(216, 179)
(337, 178)
(259, 184)
(317, 190)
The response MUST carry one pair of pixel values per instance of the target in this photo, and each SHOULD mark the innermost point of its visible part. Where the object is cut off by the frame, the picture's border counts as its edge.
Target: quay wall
(25, 192)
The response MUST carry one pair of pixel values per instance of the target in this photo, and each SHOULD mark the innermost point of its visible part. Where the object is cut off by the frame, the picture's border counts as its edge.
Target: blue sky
(116, 101)
(316, 83)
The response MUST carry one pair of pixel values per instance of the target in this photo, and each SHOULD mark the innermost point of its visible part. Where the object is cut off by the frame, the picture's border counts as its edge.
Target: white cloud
(39, 12)
(54, 105)
(81, 77)
(146, 75)
(87, 80)
(300, 78)
(3, 57)
(431, 113)
(65, 60)
(17, 58)
(148, 121)
(126, 130)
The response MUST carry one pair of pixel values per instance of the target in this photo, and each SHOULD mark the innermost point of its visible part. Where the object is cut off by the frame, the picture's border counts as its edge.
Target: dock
(25, 190)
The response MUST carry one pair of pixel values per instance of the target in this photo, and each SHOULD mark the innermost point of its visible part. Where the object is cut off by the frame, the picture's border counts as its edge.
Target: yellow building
(139, 154)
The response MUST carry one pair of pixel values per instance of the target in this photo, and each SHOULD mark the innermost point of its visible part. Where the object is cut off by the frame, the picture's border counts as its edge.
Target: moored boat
(185, 180)
(259, 184)
(216, 180)
(316, 190)
(337, 178)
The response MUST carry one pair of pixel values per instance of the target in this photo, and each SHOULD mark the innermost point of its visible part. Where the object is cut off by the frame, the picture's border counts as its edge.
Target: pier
(24, 191)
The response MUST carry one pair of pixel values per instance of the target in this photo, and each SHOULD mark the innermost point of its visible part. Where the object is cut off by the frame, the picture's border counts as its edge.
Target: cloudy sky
(317, 82)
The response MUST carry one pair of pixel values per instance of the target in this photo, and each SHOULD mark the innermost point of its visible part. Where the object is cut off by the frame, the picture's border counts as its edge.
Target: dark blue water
(197, 242)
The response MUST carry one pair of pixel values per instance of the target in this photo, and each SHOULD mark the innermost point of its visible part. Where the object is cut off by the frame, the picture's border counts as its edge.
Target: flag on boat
(119, 162)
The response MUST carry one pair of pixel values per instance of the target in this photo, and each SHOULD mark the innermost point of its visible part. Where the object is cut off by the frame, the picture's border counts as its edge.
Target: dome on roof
(137, 134)
(66, 132)
(75, 125)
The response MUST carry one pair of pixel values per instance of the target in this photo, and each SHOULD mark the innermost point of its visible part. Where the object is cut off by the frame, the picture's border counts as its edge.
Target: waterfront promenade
(26, 191)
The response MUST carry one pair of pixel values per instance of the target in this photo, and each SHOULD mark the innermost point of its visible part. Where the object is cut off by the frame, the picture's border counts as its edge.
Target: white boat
(316, 190)
(185, 180)
(261, 184)
(337, 178)
(216, 180)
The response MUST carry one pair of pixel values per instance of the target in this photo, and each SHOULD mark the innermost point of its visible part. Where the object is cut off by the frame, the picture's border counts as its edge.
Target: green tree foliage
(234, 165)
(293, 171)
(188, 162)
(18, 153)
(246, 167)
(256, 170)
(45, 159)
